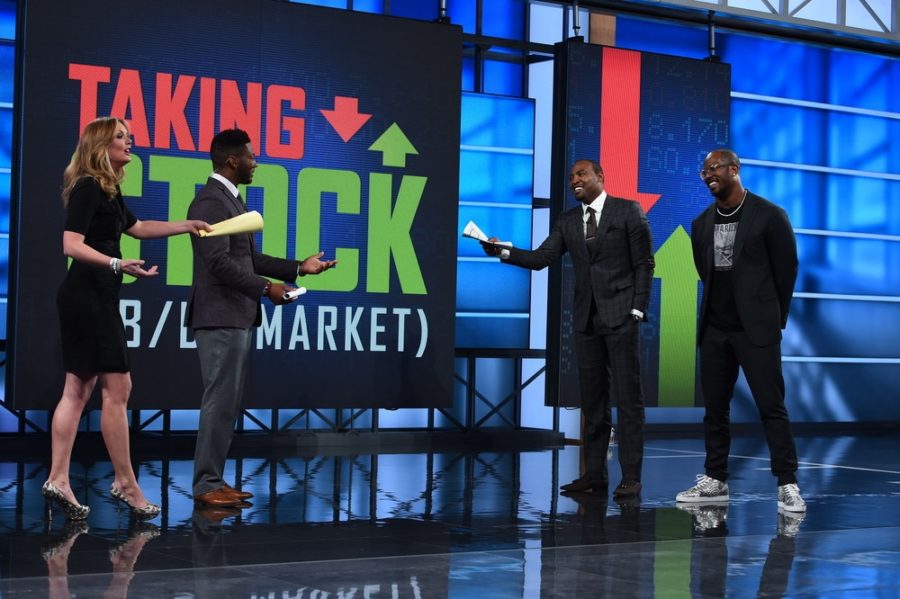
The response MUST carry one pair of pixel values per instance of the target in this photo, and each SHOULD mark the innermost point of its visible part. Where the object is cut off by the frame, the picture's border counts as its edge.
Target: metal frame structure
(338, 420)
(782, 21)
(799, 13)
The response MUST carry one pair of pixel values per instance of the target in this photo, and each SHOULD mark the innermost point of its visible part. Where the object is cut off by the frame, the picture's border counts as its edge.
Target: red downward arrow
(620, 115)
(346, 118)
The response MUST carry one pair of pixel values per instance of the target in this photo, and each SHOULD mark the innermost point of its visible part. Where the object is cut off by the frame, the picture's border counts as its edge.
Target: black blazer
(616, 274)
(228, 271)
(764, 269)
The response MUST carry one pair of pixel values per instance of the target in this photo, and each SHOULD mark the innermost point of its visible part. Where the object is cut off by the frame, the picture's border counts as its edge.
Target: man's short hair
(230, 142)
(595, 166)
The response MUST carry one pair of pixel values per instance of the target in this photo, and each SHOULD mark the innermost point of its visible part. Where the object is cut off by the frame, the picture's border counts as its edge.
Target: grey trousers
(224, 358)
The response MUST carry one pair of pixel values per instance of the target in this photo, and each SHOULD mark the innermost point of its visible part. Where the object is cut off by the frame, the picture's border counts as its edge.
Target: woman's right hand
(195, 226)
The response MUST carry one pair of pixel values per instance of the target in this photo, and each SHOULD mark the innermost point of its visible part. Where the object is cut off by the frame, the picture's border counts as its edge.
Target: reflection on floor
(467, 524)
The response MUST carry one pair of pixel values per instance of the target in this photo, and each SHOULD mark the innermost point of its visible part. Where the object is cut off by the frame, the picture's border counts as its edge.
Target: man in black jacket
(746, 256)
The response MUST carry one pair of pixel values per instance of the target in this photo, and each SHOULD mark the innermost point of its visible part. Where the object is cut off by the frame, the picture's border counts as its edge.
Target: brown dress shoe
(236, 493)
(217, 498)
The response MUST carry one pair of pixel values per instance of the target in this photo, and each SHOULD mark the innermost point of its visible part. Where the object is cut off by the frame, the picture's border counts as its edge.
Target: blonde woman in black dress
(93, 336)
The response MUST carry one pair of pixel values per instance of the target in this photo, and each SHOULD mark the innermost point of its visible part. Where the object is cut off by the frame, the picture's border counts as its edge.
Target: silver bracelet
(115, 265)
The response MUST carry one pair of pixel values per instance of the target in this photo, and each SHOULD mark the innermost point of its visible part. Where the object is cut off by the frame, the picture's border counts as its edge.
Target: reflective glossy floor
(466, 524)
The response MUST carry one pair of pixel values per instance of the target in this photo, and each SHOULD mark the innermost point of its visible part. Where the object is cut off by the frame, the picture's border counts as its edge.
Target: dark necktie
(590, 229)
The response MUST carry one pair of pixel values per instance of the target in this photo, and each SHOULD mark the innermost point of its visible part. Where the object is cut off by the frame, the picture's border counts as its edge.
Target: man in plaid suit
(608, 239)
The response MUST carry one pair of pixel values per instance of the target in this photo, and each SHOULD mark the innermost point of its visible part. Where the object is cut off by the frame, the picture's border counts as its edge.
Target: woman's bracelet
(115, 265)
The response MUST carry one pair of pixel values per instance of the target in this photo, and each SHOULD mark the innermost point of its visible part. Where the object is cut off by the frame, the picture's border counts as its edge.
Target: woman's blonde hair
(91, 158)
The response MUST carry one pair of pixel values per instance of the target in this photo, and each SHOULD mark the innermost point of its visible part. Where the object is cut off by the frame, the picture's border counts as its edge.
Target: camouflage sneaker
(789, 499)
(705, 491)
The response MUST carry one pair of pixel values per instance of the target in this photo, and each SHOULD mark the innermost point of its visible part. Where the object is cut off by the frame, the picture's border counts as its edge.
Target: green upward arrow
(677, 320)
(394, 146)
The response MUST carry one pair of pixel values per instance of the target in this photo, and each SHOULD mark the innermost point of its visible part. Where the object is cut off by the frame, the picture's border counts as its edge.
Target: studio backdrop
(355, 121)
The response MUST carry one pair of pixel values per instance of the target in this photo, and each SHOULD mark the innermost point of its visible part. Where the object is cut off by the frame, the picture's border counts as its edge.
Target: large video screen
(355, 122)
(649, 119)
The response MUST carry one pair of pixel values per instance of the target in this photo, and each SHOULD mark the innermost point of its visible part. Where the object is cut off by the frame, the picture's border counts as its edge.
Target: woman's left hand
(135, 268)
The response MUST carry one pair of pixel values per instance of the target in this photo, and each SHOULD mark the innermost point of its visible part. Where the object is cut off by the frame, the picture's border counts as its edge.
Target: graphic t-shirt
(722, 309)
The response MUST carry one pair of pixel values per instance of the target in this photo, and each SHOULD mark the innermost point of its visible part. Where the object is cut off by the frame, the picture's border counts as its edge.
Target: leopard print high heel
(73, 511)
(151, 510)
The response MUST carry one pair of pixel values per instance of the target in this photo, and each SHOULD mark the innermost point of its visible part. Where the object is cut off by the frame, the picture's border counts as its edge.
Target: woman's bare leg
(76, 393)
(115, 389)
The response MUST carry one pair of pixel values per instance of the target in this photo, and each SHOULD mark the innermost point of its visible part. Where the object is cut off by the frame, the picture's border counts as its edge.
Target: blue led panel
(4, 279)
(503, 18)
(7, 69)
(6, 125)
(327, 3)
(845, 328)
(414, 9)
(502, 77)
(495, 191)
(4, 247)
(372, 6)
(819, 135)
(4, 206)
(844, 203)
(664, 38)
(7, 19)
(462, 12)
(852, 266)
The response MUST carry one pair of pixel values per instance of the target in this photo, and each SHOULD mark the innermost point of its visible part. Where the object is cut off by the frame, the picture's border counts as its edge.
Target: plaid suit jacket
(615, 272)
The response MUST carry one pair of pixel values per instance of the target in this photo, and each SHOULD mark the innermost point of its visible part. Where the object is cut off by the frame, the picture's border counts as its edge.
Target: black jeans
(721, 354)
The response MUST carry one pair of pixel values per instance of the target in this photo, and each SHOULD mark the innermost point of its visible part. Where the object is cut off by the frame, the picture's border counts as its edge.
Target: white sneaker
(707, 490)
(789, 498)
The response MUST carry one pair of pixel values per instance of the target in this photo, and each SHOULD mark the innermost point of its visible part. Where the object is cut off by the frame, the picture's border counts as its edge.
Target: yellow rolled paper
(248, 222)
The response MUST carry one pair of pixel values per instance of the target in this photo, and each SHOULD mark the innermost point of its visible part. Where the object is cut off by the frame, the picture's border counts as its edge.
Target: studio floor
(465, 524)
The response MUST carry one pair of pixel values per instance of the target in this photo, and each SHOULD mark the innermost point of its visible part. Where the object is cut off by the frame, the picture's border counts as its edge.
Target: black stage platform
(465, 522)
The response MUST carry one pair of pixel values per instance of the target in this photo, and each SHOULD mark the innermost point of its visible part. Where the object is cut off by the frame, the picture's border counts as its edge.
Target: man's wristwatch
(266, 288)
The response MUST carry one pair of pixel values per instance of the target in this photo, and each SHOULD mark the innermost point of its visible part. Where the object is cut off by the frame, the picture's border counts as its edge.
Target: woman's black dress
(93, 336)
